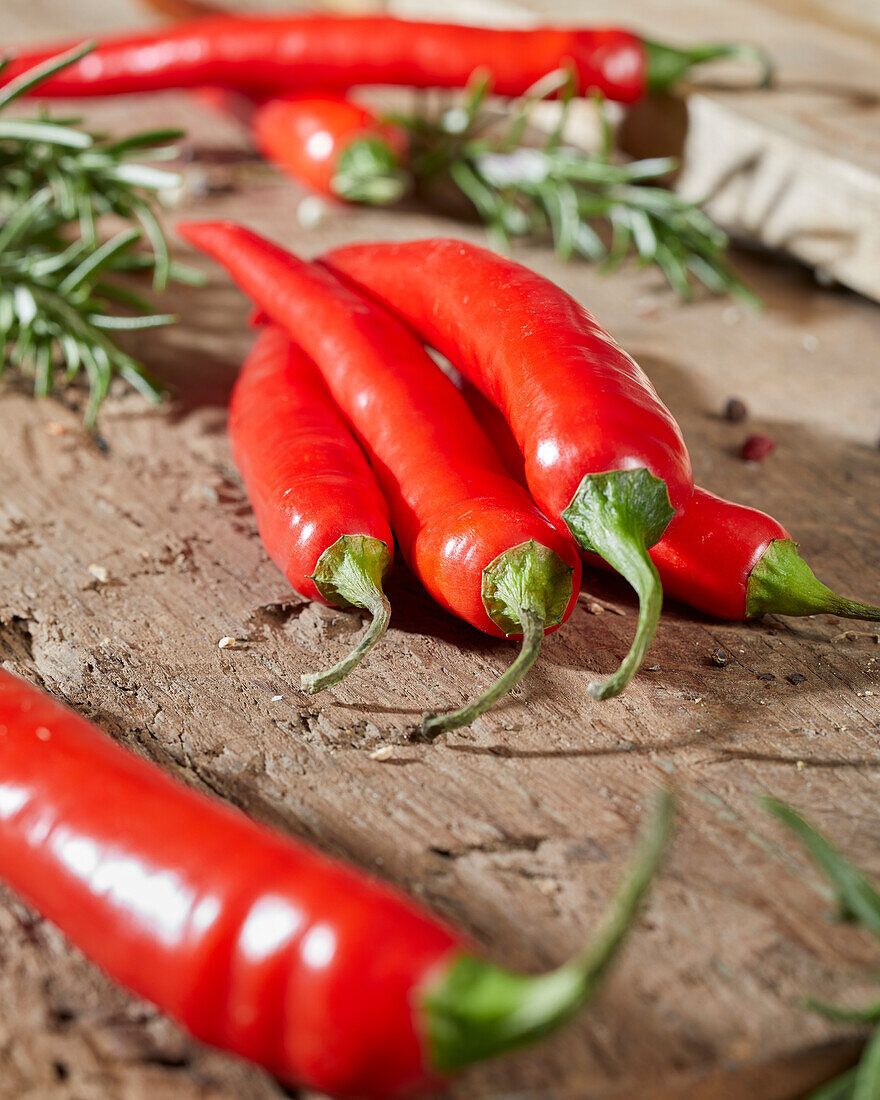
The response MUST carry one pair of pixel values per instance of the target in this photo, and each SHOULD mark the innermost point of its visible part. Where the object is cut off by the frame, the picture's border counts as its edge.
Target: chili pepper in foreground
(320, 512)
(723, 558)
(334, 146)
(604, 458)
(272, 55)
(470, 533)
(253, 942)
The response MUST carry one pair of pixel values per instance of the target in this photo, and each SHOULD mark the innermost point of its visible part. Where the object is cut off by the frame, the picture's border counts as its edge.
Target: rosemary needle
(60, 292)
(591, 204)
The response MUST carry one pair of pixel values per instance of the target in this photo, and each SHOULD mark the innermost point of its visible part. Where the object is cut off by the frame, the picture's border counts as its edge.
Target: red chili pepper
(266, 55)
(320, 511)
(738, 563)
(334, 146)
(254, 942)
(604, 458)
(726, 559)
(470, 533)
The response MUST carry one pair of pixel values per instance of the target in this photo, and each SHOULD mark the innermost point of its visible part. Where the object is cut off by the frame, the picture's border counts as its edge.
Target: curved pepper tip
(526, 589)
(533, 634)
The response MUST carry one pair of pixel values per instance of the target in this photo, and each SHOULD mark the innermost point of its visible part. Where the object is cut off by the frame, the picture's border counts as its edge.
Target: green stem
(839, 1088)
(476, 1010)
(668, 64)
(524, 590)
(369, 172)
(869, 1014)
(533, 634)
(783, 584)
(618, 515)
(866, 1085)
(350, 573)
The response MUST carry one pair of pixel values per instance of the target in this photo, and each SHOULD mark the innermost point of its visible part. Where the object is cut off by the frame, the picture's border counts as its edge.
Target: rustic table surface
(516, 829)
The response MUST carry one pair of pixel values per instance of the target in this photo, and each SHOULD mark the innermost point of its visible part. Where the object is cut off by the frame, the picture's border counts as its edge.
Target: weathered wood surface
(518, 828)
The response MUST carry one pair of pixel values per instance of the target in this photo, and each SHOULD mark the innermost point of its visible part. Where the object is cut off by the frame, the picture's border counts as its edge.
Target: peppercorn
(757, 447)
(735, 410)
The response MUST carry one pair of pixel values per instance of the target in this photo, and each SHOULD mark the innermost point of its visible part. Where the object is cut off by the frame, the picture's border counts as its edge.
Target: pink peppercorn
(757, 447)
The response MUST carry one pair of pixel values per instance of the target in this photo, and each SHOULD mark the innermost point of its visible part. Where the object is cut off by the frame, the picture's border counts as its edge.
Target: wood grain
(517, 829)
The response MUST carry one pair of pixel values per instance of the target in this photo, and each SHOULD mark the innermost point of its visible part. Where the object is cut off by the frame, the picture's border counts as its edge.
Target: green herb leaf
(59, 278)
(840, 1088)
(866, 1085)
(870, 1014)
(581, 198)
(858, 898)
(29, 80)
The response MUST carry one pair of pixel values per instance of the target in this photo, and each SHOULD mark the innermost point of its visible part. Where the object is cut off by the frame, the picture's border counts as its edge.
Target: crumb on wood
(99, 573)
(384, 752)
(853, 635)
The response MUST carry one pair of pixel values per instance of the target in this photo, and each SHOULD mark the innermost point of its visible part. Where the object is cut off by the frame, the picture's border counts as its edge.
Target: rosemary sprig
(593, 205)
(59, 288)
(859, 901)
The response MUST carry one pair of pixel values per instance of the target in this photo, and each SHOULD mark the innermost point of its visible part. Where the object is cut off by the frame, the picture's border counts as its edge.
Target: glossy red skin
(306, 136)
(278, 54)
(308, 481)
(454, 508)
(576, 403)
(255, 943)
(707, 552)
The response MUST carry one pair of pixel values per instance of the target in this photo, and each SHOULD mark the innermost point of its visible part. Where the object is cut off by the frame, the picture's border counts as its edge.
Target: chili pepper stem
(618, 515)
(370, 172)
(350, 573)
(783, 584)
(525, 589)
(668, 64)
(477, 1010)
(533, 634)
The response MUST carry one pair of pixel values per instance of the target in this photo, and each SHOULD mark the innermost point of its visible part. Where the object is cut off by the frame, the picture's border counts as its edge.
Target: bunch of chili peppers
(561, 444)
(557, 449)
(349, 438)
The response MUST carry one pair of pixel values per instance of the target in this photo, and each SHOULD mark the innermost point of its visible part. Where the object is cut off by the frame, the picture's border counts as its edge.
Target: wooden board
(518, 828)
